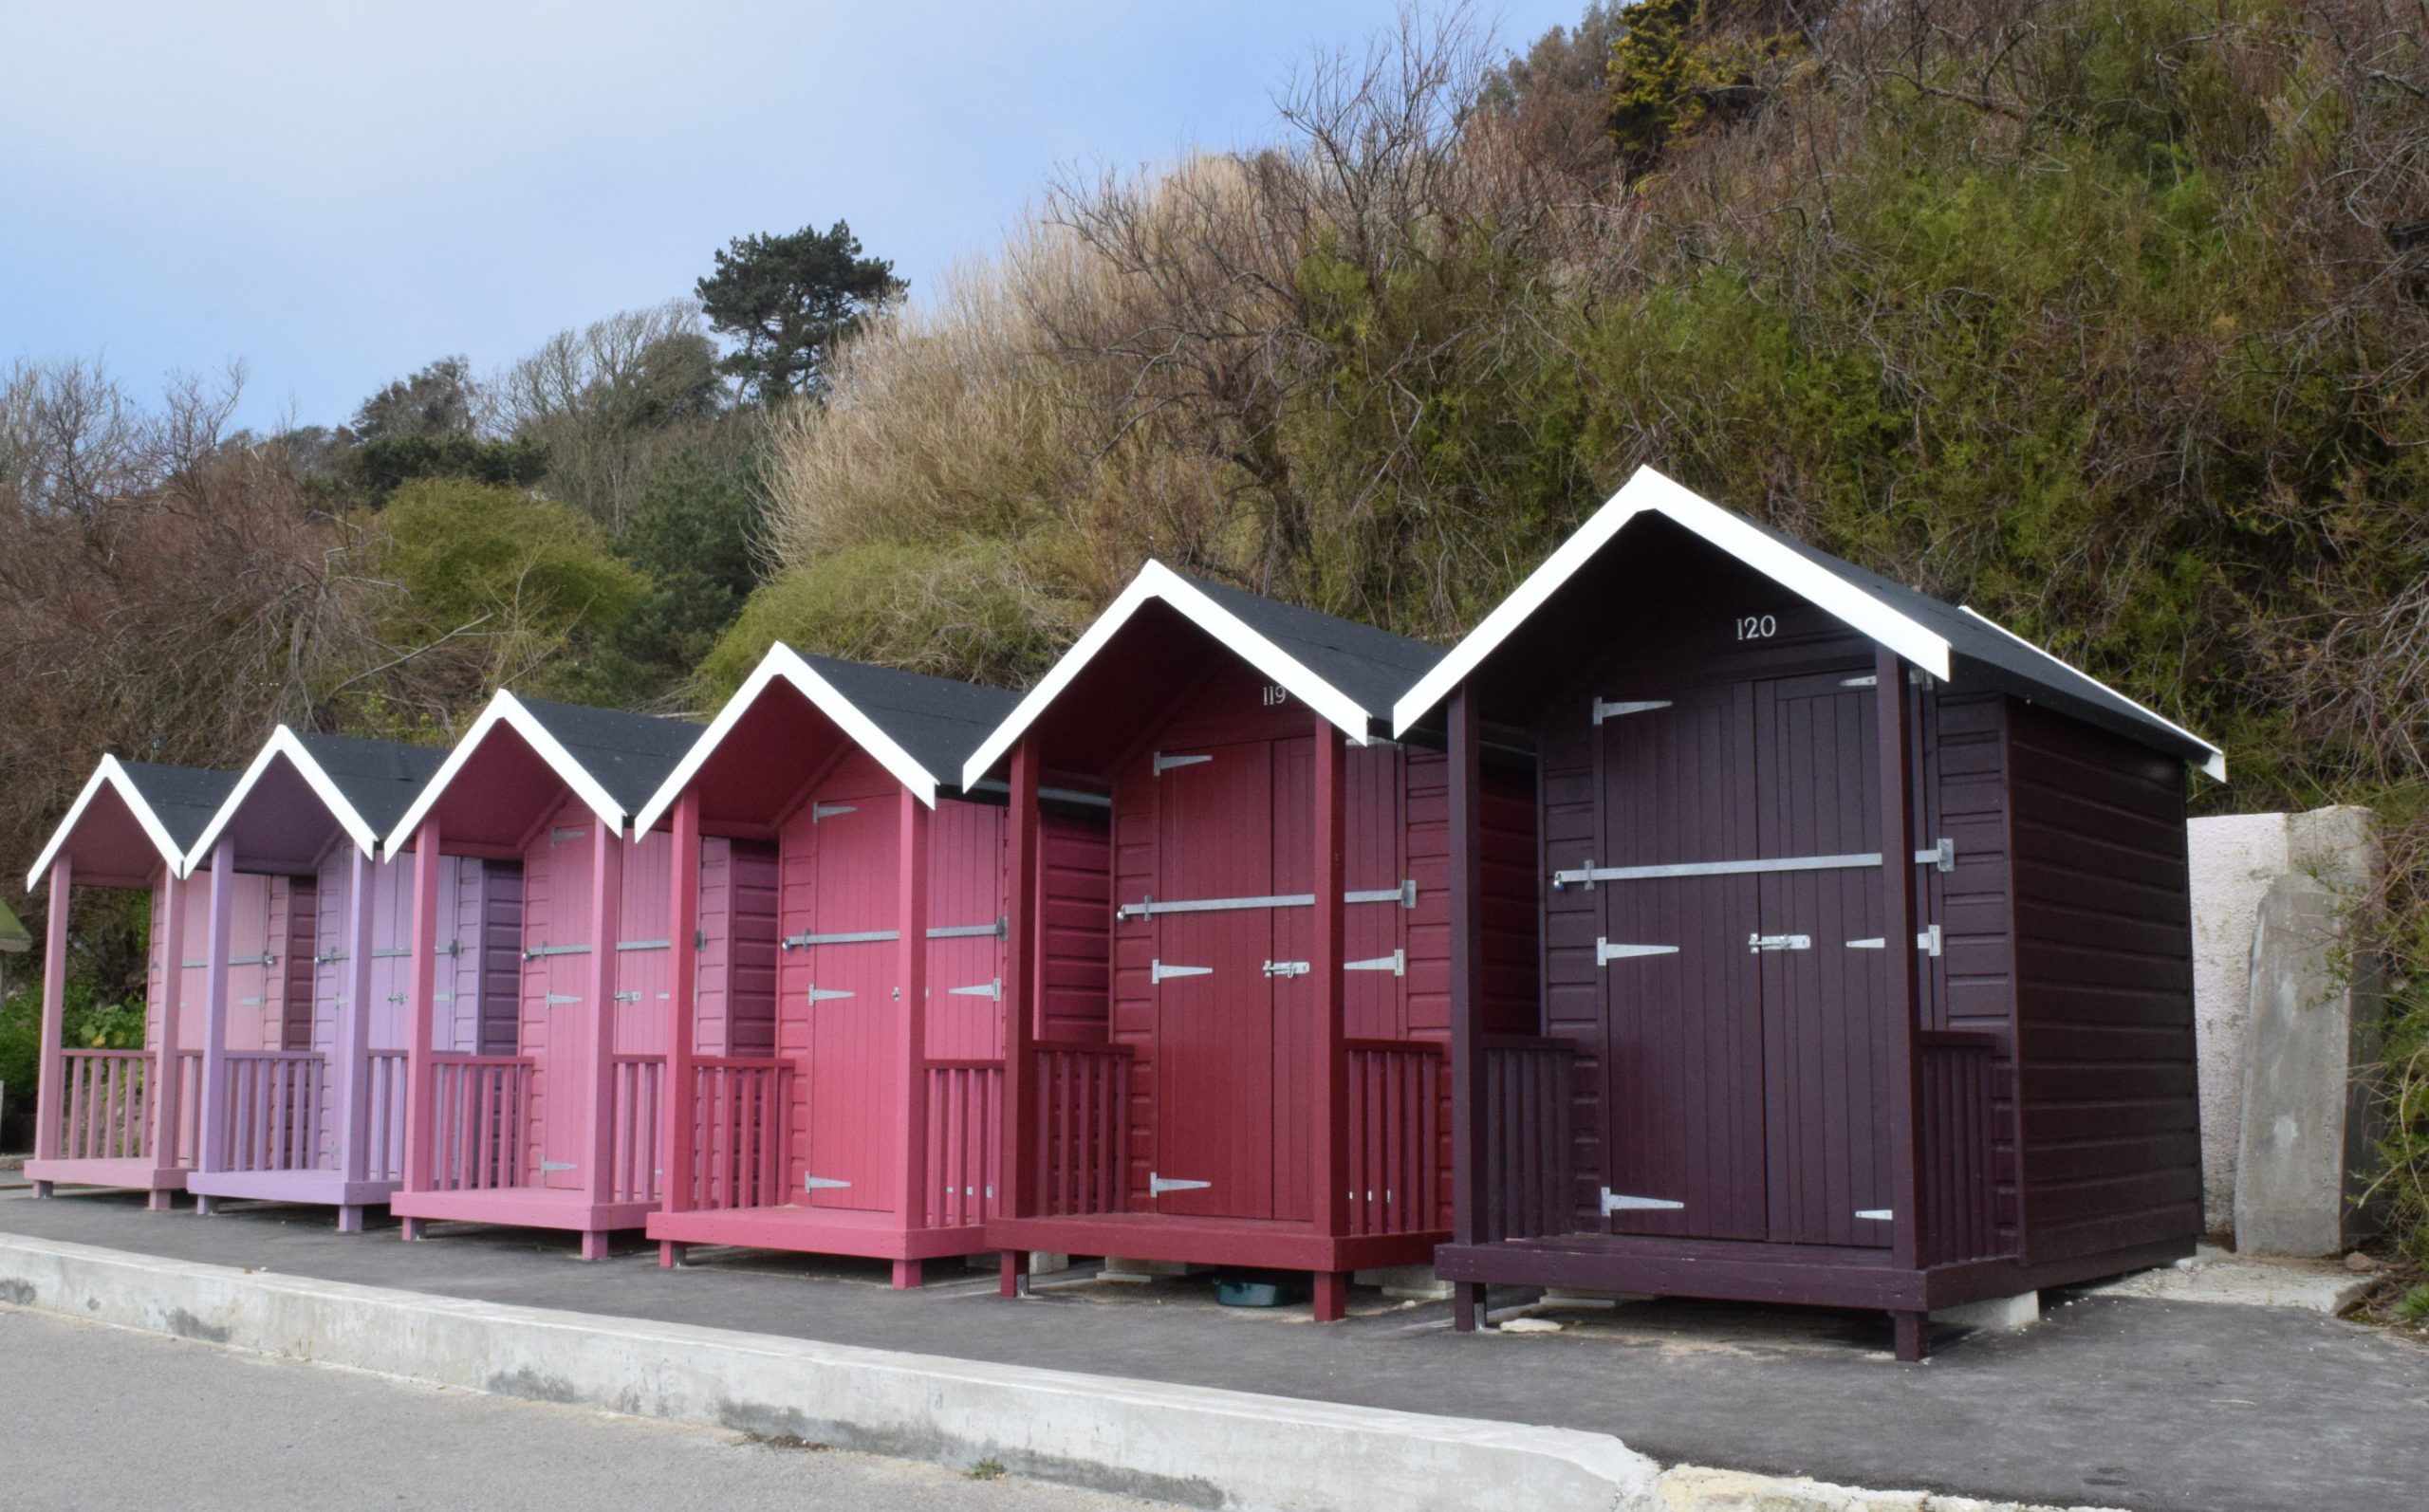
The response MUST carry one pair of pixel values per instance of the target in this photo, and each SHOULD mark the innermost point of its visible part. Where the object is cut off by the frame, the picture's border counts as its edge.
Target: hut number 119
(1757, 627)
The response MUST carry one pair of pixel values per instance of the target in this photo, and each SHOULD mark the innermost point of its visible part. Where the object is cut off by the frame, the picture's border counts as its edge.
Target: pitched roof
(365, 785)
(612, 759)
(1347, 671)
(172, 804)
(921, 728)
(1951, 643)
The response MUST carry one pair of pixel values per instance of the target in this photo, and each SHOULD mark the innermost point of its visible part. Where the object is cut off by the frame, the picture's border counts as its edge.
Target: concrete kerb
(1195, 1446)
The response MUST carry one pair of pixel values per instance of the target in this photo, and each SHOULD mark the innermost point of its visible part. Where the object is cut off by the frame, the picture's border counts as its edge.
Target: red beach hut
(845, 1098)
(550, 1121)
(1265, 1088)
(1765, 1065)
(302, 1089)
(125, 1117)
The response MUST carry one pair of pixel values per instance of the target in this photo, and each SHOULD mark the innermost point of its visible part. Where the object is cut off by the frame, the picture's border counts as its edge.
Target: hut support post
(1019, 1140)
(1898, 913)
(1468, 1131)
(1330, 1147)
(421, 963)
(911, 913)
(679, 1130)
(168, 1088)
(606, 894)
(210, 1137)
(51, 1074)
(350, 1053)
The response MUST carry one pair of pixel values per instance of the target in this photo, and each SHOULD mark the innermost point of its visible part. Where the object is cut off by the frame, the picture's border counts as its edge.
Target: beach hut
(304, 1101)
(109, 1117)
(1260, 1083)
(845, 1097)
(548, 1120)
(1864, 947)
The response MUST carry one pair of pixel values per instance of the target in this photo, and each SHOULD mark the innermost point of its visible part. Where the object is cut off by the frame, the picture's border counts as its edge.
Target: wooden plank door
(557, 983)
(1684, 1114)
(965, 950)
(1827, 1036)
(1214, 1003)
(846, 988)
(645, 990)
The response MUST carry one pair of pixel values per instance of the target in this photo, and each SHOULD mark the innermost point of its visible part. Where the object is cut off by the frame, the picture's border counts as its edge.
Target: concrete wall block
(2234, 857)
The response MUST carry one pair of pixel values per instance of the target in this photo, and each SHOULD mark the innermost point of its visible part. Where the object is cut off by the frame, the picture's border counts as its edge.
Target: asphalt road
(100, 1417)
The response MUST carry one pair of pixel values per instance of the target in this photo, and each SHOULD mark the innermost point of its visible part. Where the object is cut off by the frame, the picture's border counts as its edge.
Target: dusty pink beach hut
(302, 1091)
(847, 1099)
(550, 1121)
(115, 1117)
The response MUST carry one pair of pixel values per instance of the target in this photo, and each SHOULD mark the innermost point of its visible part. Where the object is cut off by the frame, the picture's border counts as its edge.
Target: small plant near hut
(986, 1471)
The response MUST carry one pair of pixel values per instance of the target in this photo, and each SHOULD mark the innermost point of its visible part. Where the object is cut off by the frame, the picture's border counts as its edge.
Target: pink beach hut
(548, 1120)
(849, 1100)
(116, 1118)
(303, 1087)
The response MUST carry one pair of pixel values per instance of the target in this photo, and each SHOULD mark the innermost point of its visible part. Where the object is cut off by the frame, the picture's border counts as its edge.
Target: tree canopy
(787, 301)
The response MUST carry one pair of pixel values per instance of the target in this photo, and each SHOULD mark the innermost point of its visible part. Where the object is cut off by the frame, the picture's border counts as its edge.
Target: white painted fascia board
(505, 709)
(2214, 763)
(282, 742)
(110, 774)
(784, 664)
(1649, 491)
(1155, 582)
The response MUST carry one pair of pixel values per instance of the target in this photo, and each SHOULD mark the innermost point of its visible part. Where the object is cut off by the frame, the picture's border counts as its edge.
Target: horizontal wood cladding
(2103, 987)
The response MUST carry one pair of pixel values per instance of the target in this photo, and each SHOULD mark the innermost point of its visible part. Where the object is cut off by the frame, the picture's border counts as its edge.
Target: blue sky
(339, 197)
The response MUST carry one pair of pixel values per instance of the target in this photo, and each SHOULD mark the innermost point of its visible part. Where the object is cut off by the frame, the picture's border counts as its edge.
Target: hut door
(1682, 995)
(1214, 982)
(1826, 1032)
(567, 1017)
(841, 974)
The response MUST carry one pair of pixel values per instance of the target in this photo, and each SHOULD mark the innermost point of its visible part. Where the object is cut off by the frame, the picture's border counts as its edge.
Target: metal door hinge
(1605, 709)
(820, 812)
(1287, 968)
(1760, 943)
(1867, 680)
(1615, 1203)
(559, 999)
(993, 991)
(1164, 764)
(548, 1165)
(558, 837)
(644, 945)
(628, 997)
(1157, 1185)
(1941, 856)
(971, 932)
(538, 952)
(795, 942)
(1157, 972)
(1877, 1215)
(1606, 952)
(810, 1183)
(1928, 942)
(828, 994)
(1396, 963)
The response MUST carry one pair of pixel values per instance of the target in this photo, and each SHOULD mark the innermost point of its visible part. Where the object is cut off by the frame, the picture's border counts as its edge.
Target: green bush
(85, 1025)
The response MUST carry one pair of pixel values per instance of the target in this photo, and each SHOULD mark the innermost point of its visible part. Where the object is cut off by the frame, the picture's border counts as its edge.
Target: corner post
(679, 1133)
(421, 963)
(1469, 1171)
(606, 920)
(1898, 916)
(1329, 1148)
(168, 1072)
(1019, 1137)
(911, 1026)
(212, 1137)
(50, 1086)
(350, 1052)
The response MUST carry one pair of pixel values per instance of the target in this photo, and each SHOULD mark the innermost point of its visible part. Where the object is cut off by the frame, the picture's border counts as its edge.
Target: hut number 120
(1757, 627)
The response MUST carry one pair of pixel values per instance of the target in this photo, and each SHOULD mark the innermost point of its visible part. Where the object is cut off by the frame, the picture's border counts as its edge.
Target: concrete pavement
(2122, 1402)
(103, 1417)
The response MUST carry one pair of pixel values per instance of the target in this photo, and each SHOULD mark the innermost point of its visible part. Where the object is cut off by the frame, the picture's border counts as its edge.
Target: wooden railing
(1083, 1124)
(188, 1143)
(1959, 1110)
(965, 1130)
(1523, 1172)
(276, 1102)
(383, 1156)
(632, 1140)
(1394, 1136)
(105, 1110)
(739, 1119)
(480, 1124)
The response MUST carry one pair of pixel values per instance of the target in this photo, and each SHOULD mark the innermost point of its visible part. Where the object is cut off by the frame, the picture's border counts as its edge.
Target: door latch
(1157, 1185)
(1759, 942)
(1287, 968)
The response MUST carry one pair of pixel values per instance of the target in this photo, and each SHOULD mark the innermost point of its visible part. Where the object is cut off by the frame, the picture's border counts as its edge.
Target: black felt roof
(1372, 666)
(629, 754)
(183, 797)
(936, 720)
(380, 777)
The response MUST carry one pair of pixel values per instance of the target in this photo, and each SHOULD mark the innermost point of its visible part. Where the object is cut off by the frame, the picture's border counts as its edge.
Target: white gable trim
(1650, 493)
(111, 774)
(1158, 583)
(283, 742)
(505, 709)
(784, 664)
(2214, 763)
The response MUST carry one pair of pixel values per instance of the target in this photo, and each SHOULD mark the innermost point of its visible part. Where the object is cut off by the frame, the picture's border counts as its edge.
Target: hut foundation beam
(350, 1219)
(410, 1229)
(161, 1201)
(1014, 1273)
(671, 1255)
(594, 1244)
(907, 1275)
(42, 1190)
(1912, 1341)
(1332, 1296)
(205, 1205)
(1467, 1306)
